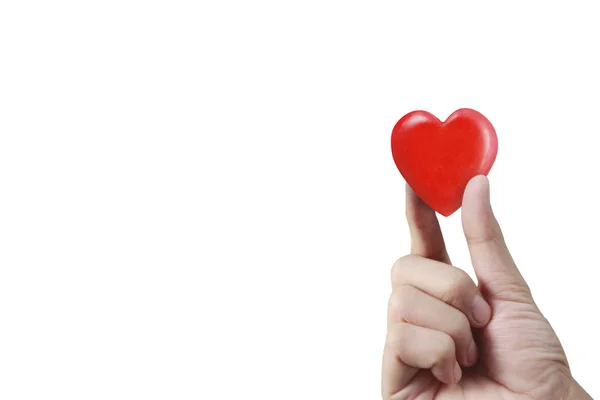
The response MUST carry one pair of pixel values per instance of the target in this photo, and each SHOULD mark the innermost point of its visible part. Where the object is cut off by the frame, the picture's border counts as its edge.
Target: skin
(449, 338)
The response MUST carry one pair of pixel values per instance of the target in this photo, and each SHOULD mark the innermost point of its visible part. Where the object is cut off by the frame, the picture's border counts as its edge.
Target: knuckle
(481, 239)
(456, 286)
(447, 348)
(491, 236)
(399, 267)
(400, 302)
(461, 327)
(442, 350)
(515, 292)
(397, 334)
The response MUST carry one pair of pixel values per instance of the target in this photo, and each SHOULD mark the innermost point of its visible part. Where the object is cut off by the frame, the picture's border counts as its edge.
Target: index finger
(425, 232)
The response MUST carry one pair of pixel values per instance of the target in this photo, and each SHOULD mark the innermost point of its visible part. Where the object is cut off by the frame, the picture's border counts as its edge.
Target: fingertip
(481, 311)
(457, 372)
(445, 373)
(476, 208)
(477, 189)
(472, 354)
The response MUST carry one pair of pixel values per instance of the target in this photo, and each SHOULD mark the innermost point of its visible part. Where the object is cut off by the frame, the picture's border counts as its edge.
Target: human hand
(451, 339)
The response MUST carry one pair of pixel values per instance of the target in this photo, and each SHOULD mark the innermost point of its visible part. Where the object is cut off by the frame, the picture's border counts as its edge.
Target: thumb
(498, 276)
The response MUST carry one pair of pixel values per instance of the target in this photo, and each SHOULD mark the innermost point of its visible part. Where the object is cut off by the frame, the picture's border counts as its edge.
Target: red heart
(438, 159)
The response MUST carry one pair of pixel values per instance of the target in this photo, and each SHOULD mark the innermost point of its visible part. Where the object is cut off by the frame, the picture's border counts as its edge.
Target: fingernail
(457, 372)
(481, 310)
(472, 354)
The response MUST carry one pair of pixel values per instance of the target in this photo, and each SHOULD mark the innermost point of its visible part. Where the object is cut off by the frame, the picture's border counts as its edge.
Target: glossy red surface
(437, 159)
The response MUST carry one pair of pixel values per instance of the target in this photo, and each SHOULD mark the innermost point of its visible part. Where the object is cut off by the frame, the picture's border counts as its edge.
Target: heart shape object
(437, 159)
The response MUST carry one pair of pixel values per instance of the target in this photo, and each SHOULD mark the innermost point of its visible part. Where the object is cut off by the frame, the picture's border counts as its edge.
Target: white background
(198, 199)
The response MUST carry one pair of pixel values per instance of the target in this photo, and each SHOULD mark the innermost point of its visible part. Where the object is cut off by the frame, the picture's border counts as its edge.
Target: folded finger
(410, 305)
(447, 283)
(410, 348)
